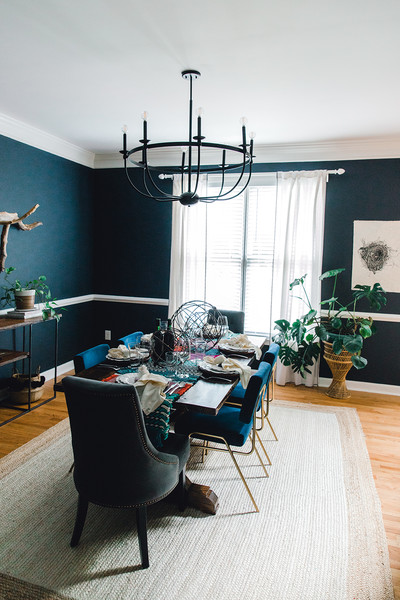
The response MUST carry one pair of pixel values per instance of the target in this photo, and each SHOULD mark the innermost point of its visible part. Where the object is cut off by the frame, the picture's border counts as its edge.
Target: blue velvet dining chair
(91, 357)
(131, 339)
(232, 426)
(116, 465)
(270, 356)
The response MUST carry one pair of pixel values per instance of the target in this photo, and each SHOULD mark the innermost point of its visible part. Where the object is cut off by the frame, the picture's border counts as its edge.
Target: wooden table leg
(202, 497)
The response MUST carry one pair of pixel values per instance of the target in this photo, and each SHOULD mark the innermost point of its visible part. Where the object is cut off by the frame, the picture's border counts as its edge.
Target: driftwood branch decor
(6, 220)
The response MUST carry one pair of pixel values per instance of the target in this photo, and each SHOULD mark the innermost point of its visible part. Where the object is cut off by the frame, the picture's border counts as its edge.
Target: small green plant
(42, 291)
(301, 340)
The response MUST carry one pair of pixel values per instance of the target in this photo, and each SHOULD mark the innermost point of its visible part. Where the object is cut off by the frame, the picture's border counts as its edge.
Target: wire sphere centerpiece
(197, 319)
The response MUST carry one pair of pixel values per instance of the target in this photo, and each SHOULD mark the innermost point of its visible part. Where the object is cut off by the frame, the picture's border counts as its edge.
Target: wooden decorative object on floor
(201, 497)
(340, 365)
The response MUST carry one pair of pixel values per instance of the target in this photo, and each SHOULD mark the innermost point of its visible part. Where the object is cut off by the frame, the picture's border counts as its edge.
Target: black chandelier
(191, 164)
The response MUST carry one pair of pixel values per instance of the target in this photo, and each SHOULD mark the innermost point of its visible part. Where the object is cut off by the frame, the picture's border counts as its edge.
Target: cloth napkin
(121, 352)
(146, 337)
(150, 388)
(242, 341)
(228, 364)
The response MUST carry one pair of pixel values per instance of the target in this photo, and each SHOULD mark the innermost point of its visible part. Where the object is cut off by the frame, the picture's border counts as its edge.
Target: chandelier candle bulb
(145, 127)
(244, 136)
(199, 128)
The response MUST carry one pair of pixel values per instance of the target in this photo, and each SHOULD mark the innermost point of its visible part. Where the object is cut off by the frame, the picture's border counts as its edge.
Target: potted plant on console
(23, 295)
(340, 330)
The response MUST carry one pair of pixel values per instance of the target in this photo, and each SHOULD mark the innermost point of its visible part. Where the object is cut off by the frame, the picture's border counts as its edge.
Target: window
(239, 252)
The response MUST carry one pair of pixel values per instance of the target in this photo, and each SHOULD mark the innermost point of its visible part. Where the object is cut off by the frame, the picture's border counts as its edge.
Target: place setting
(125, 355)
(239, 346)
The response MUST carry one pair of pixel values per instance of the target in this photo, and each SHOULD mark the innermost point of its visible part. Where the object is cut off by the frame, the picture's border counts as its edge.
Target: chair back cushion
(271, 355)
(132, 339)
(235, 319)
(115, 462)
(90, 358)
(257, 386)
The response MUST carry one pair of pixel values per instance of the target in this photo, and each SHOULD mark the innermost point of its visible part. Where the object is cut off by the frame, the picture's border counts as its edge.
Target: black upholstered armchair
(115, 463)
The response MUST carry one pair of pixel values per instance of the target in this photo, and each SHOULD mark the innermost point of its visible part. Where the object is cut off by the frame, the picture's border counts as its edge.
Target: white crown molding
(359, 149)
(332, 150)
(32, 136)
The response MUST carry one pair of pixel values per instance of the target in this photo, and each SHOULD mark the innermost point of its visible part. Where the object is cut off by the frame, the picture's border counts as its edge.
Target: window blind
(239, 252)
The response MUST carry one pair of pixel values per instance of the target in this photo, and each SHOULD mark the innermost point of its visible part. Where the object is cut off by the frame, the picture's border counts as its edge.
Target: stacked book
(23, 314)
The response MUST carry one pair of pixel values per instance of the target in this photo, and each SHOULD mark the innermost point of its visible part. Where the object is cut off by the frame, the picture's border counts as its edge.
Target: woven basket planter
(19, 388)
(340, 365)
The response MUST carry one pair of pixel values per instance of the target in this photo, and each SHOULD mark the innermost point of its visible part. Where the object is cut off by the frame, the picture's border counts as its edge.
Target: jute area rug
(319, 534)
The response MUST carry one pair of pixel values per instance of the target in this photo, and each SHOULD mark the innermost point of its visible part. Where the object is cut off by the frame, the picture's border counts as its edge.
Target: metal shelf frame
(12, 356)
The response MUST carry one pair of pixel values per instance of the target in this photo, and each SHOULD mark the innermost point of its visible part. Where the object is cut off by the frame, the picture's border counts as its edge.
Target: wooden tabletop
(206, 397)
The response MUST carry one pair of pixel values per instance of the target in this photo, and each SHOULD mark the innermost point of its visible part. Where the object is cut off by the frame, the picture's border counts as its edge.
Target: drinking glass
(197, 350)
(170, 361)
(224, 325)
(182, 355)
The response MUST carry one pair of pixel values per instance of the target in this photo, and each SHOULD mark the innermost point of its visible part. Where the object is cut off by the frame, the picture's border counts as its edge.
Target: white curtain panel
(299, 234)
(188, 249)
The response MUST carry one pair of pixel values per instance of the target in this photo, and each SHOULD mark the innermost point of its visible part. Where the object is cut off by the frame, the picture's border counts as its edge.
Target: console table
(11, 356)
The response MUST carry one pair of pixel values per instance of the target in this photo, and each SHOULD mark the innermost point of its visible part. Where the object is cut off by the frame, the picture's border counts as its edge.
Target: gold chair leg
(272, 429)
(204, 451)
(273, 383)
(262, 416)
(264, 450)
(261, 462)
(242, 478)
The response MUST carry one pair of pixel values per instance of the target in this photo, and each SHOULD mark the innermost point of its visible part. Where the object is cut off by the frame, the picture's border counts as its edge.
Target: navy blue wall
(133, 244)
(61, 248)
(99, 236)
(140, 244)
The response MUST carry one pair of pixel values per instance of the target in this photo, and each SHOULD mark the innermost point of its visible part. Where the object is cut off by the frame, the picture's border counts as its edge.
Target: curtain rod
(329, 172)
(336, 172)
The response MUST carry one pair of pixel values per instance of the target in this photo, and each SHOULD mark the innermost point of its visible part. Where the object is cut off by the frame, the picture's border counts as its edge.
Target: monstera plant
(339, 326)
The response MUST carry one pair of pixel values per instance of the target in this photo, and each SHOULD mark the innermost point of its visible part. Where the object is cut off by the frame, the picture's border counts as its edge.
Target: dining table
(207, 394)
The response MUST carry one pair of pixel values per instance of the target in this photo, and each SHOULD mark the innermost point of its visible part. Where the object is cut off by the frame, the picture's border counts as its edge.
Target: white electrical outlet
(107, 334)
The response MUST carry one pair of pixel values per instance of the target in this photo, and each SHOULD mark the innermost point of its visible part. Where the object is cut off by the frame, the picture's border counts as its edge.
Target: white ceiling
(300, 70)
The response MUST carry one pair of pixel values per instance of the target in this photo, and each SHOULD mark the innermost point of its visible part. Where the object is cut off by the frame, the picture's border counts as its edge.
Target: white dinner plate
(216, 369)
(236, 349)
(127, 359)
(128, 378)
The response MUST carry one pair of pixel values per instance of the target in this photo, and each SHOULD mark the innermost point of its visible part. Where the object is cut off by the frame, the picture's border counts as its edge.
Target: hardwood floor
(379, 415)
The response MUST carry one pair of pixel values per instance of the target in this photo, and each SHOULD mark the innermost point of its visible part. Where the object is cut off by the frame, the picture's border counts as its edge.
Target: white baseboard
(365, 386)
(61, 369)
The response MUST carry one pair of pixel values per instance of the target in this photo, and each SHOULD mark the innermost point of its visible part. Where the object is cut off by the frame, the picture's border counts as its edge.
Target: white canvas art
(376, 254)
